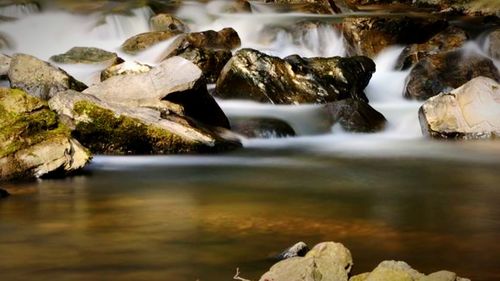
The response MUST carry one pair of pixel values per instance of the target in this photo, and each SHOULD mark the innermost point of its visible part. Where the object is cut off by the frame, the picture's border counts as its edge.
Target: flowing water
(390, 195)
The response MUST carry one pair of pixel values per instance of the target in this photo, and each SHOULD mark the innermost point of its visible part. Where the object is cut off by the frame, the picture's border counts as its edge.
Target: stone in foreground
(40, 79)
(326, 261)
(469, 112)
(32, 141)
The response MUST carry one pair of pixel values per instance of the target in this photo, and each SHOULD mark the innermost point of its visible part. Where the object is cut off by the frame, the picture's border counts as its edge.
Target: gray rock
(124, 68)
(167, 22)
(469, 112)
(300, 249)
(252, 75)
(326, 261)
(86, 55)
(39, 78)
(356, 116)
(449, 70)
(261, 127)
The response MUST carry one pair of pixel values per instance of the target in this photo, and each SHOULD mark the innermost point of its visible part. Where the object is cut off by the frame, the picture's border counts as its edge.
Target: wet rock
(143, 41)
(469, 112)
(175, 85)
(4, 193)
(4, 65)
(108, 128)
(356, 116)
(326, 261)
(225, 39)
(300, 249)
(445, 71)
(494, 44)
(39, 78)
(305, 6)
(238, 6)
(32, 141)
(210, 61)
(448, 40)
(86, 55)
(261, 128)
(124, 68)
(167, 22)
(369, 36)
(253, 75)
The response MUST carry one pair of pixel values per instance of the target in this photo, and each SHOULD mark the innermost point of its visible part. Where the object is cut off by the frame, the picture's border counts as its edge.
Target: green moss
(108, 133)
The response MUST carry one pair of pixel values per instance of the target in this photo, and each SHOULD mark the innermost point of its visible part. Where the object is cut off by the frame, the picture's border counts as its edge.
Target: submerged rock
(175, 85)
(253, 75)
(300, 249)
(356, 116)
(167, 22)
(4, 193)
(108, 128)
(32, 141)
(39, 78)
(469, 112)
(494, 44)
(261, 127)
(86, 55)
(448, 40)
(326, 261)
(369, 36)
(445, 71)
(143, 41)
(124, 68)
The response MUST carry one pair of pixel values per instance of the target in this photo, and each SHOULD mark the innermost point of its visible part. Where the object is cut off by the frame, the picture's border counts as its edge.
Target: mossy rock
(86, 55)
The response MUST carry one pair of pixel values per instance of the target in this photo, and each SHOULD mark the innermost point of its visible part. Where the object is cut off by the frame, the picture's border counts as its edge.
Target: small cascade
(124, 26)
(16, 11)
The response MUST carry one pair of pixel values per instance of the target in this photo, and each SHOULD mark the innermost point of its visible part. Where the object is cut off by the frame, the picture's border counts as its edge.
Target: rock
(261, 128)
(4, 65)
(108, 128)
(300, 249)
(356, 116)
(4, 193)
(86, 55)
(167, 22)
(448, 40)
(369, 36)
(238, 6)
(143, 41)
(441, 276)
(39, 78)
(253, 75)
(33, 142)
(5, 41)
(305, 6)
(210, 61)
(494, 44)
(441, 72)
(326, 261)
(225, 39)
(175, 81)
(124, 68)
(469, 112)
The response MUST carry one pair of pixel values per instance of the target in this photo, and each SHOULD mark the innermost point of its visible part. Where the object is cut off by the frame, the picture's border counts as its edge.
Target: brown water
(199, 218)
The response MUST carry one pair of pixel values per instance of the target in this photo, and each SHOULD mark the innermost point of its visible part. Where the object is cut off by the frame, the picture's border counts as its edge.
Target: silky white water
(47, 33)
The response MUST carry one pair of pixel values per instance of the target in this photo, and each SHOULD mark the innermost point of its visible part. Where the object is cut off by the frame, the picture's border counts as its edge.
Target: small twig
(237, 276)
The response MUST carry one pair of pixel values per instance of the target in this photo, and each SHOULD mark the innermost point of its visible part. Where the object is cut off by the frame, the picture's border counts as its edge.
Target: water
(389, 195)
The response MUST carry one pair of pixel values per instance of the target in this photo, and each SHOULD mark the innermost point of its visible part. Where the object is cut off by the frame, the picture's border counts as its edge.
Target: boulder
(4, 65)
(175, 85)
(39, 78)
(125, 68)
(143, 41)
(449, 39)
(446, 71)
(469, 112)
(261, 127)
(225, 39)
(4, 193)
(210, 61)
(326, 261)
(108, 128)
(167, 22)
(86, 55)
(494, 44)
(238, 6)
(369, 36)
(253, 75)
(33, 142)
(305, 6)
(356, 116)
(300, 249)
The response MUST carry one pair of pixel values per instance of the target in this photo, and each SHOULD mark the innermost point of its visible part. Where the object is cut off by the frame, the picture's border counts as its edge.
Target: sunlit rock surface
(143, 41)
(469, 112)
(125, 68)
(167, 22)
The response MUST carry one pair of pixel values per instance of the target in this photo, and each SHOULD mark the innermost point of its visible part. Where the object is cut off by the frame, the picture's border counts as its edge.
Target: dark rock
(445, 71)
(300, 249)
(261, 127)
(86, 55)
(369, 36)
(4, 193)
(448, 40)
(210, 61)
(356, 116)
(253, 75)
(494, 44)
(167, 22)
(39, 78)
(143, 41)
